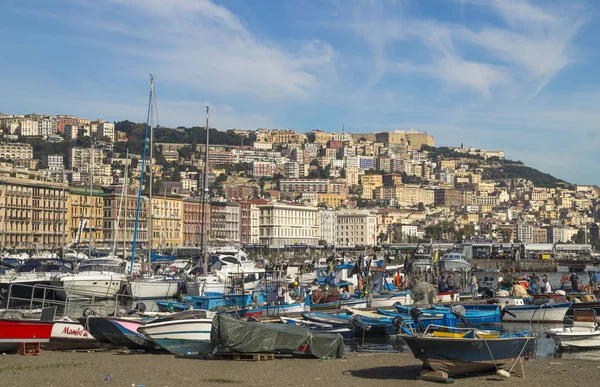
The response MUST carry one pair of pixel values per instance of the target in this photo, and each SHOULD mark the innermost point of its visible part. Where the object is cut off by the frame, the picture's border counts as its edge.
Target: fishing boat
(468, 353)
(449, 296)
(583, 334)
(383, 300)
(346, 332)
(471, 316)
(548, 313)
(454, 261)
(122, 332)
(13, 332)
(182, 333)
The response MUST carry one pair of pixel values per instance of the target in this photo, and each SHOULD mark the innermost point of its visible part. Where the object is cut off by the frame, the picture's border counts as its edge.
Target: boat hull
(537, 313)
(383, 301)
(181, 337)
(127, 335)
(461, 355)
(339, 305)
(87, 286)
(154, 289)
(13, 332)
(573, 338)
(70, 335)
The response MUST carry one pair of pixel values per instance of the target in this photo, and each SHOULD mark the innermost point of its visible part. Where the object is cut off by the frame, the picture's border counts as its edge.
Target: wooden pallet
(244, 356)
(28, 349)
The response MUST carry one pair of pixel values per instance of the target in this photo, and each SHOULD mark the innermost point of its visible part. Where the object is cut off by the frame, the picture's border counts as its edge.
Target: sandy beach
(65, 369)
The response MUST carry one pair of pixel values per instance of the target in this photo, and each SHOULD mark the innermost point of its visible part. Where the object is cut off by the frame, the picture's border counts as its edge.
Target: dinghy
(584, 334)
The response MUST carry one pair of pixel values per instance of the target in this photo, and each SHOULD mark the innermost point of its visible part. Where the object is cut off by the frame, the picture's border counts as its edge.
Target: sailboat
(150, 286)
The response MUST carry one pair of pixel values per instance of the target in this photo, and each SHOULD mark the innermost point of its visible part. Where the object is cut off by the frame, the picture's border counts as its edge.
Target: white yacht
(98, 278)
(226, 262)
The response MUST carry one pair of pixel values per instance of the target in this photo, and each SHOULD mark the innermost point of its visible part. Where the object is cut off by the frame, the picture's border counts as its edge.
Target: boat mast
(116, 228)
(126, 206)
(139, 198)
(91, 234)
(204, 200)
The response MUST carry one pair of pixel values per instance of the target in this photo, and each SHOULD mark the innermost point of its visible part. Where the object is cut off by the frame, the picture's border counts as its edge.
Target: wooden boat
(584, 334)
(13, 332)
(469, 353)
(118, 331)
(319, 327)
(387, 300)
(182, 333)
(552, 313)
(472, 316)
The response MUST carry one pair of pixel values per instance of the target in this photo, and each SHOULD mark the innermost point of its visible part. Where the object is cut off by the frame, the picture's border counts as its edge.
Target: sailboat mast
(91, 234)
(203, 241)
(151, 190)
(123, 187)
(139, 198)
(126, 206)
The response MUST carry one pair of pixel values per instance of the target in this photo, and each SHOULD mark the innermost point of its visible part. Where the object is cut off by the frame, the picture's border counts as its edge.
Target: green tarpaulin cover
(241, 336)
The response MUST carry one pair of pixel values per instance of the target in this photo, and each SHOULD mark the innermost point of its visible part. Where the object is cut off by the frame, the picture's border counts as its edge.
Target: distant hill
(496, 169)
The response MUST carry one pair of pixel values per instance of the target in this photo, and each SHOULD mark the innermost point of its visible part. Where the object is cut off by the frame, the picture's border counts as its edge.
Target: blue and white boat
(185, 333)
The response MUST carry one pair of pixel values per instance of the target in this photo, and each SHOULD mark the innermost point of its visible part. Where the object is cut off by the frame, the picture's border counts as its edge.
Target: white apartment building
(53, 162)
(46, 126)
(16, 151)
(72, 131)
(525, 233)
(254, 224)
(328, 226)
(356, 227)
(291, 170)
(285, 224)
(28, 128)
(81, 158)
(106, 129)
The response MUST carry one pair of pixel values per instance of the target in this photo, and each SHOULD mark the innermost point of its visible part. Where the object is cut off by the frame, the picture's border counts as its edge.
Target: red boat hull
(13, 332)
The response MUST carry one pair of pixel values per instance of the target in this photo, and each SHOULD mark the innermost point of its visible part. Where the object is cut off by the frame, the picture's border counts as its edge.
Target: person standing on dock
(574, 280)
(473, 286)
(451, 282)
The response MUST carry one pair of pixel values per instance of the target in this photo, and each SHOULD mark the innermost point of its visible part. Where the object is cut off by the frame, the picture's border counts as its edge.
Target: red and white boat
(69, 334)
(13, 332)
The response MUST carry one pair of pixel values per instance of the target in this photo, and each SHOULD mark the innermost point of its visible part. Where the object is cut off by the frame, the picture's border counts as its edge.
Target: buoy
(503, 374)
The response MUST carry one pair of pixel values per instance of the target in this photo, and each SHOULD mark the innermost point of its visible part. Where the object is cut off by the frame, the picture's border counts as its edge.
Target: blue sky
(508, 74)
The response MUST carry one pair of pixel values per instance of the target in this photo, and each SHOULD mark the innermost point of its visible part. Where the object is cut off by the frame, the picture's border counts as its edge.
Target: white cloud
(204, 46)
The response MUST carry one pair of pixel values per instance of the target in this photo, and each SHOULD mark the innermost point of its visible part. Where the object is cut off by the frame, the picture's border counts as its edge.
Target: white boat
(548, 313)
(383, 300)
(97, 278)
(422, 261)
(154, 287)
(584, 334)
(454, 261)
(74, 255)
(68, 334)
(182, 333)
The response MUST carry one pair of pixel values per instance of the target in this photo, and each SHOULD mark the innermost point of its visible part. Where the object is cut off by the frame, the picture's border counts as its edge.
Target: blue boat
(470, 353)
(359, 324)
(426, 319)
(471, 317)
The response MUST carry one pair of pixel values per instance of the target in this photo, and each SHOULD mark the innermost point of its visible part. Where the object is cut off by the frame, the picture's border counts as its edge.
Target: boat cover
(246, 337)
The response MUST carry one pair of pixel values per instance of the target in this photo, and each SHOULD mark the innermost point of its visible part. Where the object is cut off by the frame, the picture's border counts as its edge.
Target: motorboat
(15, 331)
(97, 278)
(68, 335)
(422, 261)
(32, 280)
(383, 300)
(469, 352)
(583, 334)
(154, 287)
(454, 261)
(346, 332)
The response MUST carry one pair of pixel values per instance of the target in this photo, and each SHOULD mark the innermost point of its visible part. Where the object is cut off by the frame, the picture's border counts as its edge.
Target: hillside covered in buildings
(61, 179)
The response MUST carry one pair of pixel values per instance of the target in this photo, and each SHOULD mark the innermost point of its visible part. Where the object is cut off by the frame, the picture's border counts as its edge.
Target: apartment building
(52, 162)
(85, 215)
(263, 169)
(356, 228)
(224, 221)
(286, 224)
(328, 226)
(106, 129)
(16, 151)
(33, 214)
(167, 221)
(192, 221)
